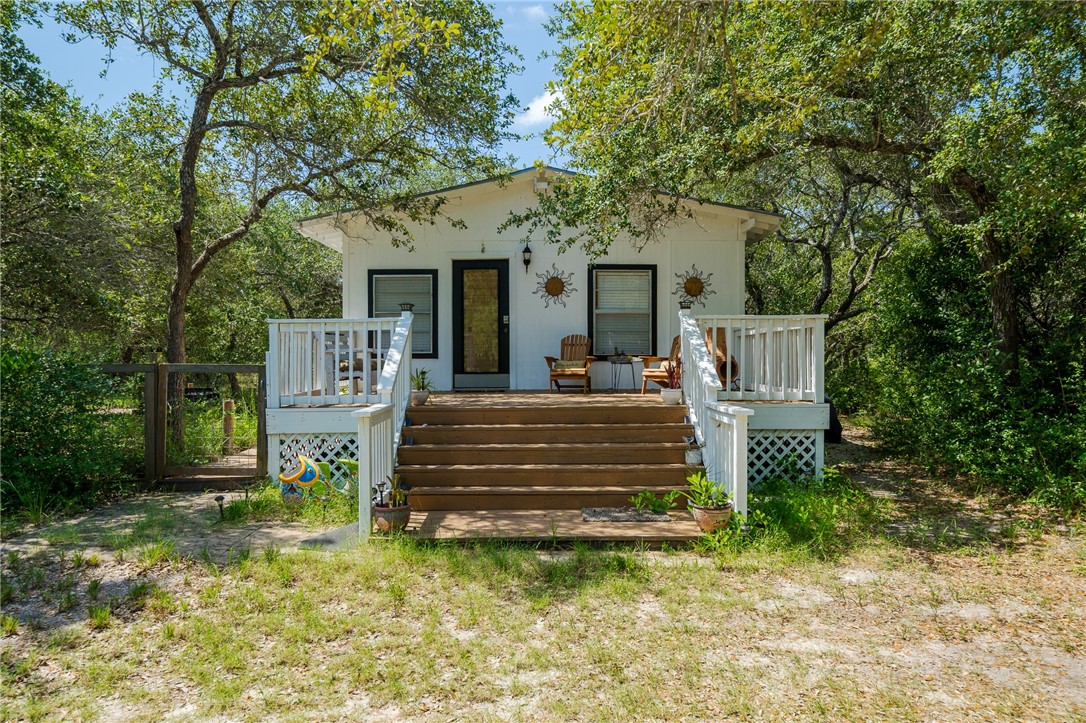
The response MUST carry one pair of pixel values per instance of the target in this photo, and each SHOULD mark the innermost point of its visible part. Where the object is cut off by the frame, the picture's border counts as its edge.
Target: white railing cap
(729, 409)
(755, 317)
(373, 410)
(387, 319)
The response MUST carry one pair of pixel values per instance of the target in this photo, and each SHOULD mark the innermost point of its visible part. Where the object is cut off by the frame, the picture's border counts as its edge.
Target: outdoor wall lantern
(526, 254)
(407, 306)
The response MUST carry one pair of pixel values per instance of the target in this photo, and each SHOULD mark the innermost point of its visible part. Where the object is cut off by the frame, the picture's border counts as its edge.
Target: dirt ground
(966, 606)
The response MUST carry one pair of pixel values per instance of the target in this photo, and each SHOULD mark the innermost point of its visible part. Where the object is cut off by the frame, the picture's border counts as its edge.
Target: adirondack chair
(572, 364)
(720, 353)
(658, 374)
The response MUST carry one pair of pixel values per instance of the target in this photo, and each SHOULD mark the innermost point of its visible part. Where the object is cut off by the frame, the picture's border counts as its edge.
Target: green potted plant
(391, 512)
(673, 393)
(421, 386)
(710, 504)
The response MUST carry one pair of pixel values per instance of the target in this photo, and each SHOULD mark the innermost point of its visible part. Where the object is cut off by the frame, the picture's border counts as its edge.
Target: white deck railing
(376, 456)
(774, 358)
(720, 428)
(327, 361)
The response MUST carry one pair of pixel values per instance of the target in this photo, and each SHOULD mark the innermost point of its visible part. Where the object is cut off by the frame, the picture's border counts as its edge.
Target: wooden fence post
(262, 422)
(149, 417)
(161, 405)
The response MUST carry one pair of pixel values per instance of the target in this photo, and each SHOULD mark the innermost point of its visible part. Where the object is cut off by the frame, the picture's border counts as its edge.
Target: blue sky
(81, 65)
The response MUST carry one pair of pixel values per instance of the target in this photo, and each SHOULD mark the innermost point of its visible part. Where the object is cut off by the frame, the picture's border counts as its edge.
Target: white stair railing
(394, 386)
(376, 457)
(315, 362)
(777, 358)
(720, 428)
(379, 425)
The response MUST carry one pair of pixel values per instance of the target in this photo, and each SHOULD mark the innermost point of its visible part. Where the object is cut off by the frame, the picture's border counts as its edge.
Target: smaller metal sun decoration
(693, 285)
(554, 286)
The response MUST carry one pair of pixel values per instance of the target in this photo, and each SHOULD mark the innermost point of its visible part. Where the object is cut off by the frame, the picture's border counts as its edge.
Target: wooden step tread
(556, 490)
(617, 426)
(557, 446)
(586, 468)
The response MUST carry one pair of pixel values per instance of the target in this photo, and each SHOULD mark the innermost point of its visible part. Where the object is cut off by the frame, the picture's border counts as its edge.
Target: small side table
(617, 365)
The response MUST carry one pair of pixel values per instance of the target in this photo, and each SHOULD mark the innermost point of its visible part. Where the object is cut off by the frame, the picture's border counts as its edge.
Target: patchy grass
(264, 503)
(881, 595)
(491, 630)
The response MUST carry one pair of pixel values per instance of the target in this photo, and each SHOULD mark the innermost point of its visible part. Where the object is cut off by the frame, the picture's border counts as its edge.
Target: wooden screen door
(481, 324)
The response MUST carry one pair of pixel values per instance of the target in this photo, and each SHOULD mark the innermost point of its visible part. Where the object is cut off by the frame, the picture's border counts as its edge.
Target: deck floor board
(547, 525)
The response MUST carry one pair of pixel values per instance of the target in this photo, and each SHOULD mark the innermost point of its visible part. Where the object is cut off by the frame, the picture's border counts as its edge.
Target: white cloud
(537, 113)
(535, 12)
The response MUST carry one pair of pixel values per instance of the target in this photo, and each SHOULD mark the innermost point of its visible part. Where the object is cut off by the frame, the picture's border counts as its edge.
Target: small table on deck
(617, 364)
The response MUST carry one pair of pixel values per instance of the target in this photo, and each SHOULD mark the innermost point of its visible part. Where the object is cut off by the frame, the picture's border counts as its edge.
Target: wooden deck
(547, 526)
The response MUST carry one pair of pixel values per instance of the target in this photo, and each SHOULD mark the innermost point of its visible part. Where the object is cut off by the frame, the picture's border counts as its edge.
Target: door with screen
(481, 324)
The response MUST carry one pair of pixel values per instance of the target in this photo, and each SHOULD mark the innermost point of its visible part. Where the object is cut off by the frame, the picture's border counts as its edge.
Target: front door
(481, 324)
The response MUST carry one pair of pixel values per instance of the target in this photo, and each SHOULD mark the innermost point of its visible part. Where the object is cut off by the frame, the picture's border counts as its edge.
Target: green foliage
(795, 514)
(60, 448)
(9, 625)
(943, 402)
(658, 505)
(421, 382)
(705, 492)
(98, 616)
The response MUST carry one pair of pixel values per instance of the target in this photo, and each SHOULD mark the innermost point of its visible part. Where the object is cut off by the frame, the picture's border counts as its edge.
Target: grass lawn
(895, 597)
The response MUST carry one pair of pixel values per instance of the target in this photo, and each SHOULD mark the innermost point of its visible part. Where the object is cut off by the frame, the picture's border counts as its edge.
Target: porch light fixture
(407, 306)
(685, 303)
(526, 254)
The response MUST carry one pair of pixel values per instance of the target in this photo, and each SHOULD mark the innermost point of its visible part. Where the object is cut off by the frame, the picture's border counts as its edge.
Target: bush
(59, 448)
(943, 400)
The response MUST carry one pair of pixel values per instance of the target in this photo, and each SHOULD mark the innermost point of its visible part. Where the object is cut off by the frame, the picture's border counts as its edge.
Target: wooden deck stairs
(469, 457)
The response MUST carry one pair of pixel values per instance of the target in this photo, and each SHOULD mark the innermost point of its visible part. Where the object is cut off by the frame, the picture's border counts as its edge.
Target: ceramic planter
(693, 457)
(391, 519)
(419, 398)
(671, 396)
(711, 519)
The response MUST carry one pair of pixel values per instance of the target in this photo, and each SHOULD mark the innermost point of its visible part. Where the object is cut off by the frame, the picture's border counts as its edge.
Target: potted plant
(710, 504)
(421, 386)
(693, 452)
(673, 394)
(390, 509)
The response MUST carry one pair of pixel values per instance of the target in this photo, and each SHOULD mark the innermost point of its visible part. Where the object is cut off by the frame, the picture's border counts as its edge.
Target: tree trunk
(1003, 303)
(175, 340)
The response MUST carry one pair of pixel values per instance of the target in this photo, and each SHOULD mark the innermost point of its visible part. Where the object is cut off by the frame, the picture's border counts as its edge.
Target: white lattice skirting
(768, 448)
(330, 447)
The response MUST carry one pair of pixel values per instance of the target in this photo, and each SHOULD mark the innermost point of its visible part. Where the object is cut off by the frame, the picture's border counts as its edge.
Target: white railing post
(818, 355)
(394, 388)
(376, 461)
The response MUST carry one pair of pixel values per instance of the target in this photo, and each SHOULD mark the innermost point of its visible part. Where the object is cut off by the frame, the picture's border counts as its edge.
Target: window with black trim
(390, 288)
(622, 317)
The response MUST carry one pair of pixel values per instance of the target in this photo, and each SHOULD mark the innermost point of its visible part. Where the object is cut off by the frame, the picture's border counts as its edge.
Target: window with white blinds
(622, 313)
(390, 289)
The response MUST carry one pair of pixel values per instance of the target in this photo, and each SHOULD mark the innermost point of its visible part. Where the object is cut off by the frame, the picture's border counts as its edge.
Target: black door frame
(475, 380)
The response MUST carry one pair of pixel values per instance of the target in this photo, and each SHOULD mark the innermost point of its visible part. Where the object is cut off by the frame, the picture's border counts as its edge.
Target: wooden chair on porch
(658, 374)
(719, 351)
(572, 364)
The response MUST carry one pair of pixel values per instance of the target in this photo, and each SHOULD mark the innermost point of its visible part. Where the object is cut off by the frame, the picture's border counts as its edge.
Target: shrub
(59, 449)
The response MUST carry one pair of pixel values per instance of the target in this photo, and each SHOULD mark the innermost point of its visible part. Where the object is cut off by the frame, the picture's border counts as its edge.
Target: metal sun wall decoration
(554, 286)
(693, 285)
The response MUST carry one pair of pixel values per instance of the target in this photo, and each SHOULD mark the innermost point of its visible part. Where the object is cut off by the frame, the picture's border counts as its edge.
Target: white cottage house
(479, 309)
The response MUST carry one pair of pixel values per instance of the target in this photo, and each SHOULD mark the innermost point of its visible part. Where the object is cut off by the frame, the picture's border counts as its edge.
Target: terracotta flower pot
(391, 519)
(711, 519)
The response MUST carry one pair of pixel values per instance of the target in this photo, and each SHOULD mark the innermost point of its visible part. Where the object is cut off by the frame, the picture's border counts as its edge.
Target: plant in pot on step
(390, 509)
(421, 386)
(710, 504)
(673, 393)
(693, 451)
